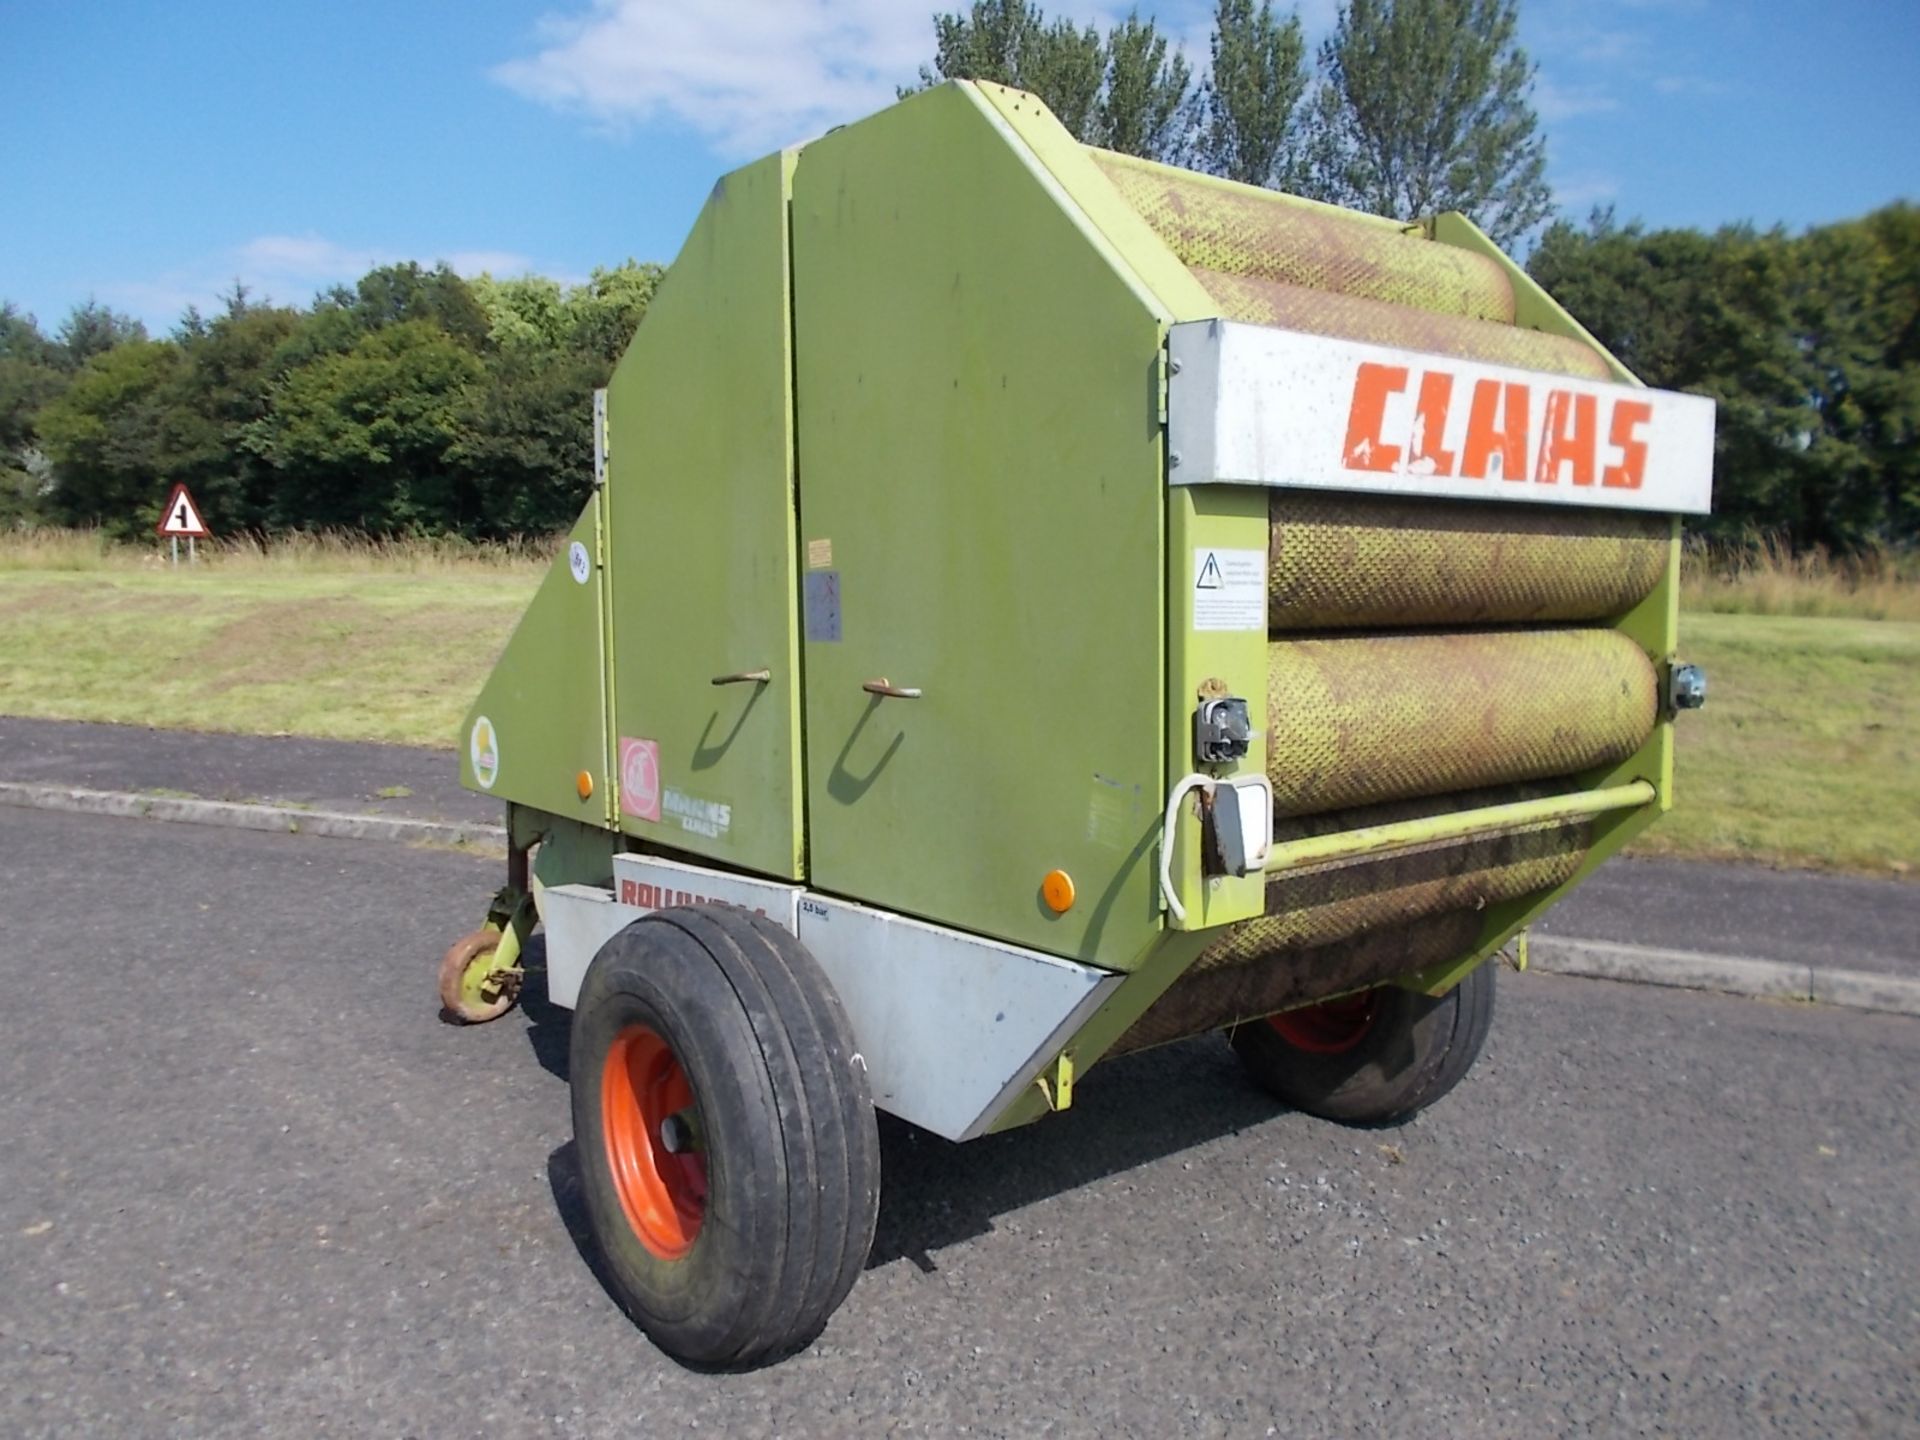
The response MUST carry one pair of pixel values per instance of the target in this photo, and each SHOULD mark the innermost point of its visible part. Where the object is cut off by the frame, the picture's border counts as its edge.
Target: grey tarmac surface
(250, 1184)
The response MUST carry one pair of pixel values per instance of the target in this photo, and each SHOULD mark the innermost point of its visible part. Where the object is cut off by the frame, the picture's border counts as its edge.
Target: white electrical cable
(1170, 819)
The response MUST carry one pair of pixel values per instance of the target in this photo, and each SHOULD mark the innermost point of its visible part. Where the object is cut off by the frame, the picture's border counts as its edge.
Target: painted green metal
(545, 702)
(982, 488)
(1460, 825)
(700, 494)
(1202, 519)
(895, 423)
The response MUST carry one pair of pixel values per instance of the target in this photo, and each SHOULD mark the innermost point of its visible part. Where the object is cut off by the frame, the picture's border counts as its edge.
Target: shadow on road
(934, 1193)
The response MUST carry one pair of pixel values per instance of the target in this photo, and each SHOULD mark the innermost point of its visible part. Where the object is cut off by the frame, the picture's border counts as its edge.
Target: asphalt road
(250, 1184)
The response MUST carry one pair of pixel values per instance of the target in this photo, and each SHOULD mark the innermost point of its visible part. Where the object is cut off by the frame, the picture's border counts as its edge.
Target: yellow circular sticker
(484, 748)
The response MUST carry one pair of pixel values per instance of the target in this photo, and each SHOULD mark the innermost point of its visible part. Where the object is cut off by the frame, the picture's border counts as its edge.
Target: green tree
(602, 314)
(92, 329)
(224, 385)
(108, 436)
(397, 294)
(1009, 42)
(364, 439)
(30, 379)
(1422, 107)
(1248, 130)
(1806, 344)
(1144, 108)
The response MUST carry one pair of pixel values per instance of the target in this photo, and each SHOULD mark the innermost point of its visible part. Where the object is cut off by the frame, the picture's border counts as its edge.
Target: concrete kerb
(1730, 974)
(281, 819)
(1592, 959)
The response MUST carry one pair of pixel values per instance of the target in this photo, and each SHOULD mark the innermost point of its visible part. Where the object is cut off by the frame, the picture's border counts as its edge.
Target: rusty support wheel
(1375, 1058)
(471, 988)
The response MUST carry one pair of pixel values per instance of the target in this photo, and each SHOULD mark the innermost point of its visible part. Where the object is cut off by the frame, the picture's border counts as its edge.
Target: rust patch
(1230, 229)
(1365, 719)
(1342, 562)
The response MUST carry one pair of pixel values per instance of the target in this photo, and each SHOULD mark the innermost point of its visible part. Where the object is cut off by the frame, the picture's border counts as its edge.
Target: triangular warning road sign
(1209, 574)
(181, 518)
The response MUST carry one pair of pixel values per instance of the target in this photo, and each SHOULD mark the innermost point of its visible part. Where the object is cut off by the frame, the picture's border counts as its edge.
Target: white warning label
(1229, 589)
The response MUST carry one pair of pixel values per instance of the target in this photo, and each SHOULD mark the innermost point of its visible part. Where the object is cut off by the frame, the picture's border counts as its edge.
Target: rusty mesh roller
(1361, 719)
(1263, 979)
(1319, 905)
(1356, 317)
(1337, 562)
(1232, 229)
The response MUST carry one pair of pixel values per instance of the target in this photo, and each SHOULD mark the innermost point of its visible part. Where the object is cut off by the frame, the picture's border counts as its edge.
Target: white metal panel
(646, 882)
(952, 1026)
(1253, 405)
(579, 919)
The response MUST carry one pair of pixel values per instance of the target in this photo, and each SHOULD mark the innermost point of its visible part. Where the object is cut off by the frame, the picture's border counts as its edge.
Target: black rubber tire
(1418, 1048)
(783, 1104)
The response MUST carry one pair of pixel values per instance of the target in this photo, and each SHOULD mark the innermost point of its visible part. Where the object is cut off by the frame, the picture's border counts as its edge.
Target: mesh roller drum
(1263, 980)
(1358, 317)
(1356, 720)
(1232, 229)
(1337, 562)
(1319, 905)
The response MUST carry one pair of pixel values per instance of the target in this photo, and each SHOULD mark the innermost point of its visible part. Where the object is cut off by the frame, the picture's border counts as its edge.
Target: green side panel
(982, 502)
(700, 482)
(1205, 521)
(545, 705)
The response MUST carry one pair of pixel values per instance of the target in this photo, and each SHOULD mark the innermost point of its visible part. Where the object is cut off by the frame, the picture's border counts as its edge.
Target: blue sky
(151, 154)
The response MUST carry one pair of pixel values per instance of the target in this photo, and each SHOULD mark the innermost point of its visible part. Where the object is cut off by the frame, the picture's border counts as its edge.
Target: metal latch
(1222, 730)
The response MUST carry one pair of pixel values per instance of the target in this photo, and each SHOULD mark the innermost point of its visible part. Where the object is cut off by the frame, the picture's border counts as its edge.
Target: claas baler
(1036, 604)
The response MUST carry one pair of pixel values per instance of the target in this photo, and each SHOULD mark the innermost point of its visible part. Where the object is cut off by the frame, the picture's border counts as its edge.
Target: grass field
(1808, 752)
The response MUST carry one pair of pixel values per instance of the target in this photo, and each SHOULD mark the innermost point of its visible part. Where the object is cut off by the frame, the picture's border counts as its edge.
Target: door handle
(744, 677)
(886, 688)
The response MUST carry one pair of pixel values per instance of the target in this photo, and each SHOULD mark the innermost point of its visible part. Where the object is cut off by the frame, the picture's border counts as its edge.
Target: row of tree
(416, 400)
(1413, 106)
(412, 401)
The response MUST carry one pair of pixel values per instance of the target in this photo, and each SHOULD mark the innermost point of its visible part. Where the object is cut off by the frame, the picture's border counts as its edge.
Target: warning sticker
(640, 778)
(1229, 589)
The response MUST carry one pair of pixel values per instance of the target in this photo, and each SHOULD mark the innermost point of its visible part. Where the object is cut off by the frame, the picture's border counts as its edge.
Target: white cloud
(1564, 102)
(498, 263)
(290, 270)
(1579, 194)
(750, 75)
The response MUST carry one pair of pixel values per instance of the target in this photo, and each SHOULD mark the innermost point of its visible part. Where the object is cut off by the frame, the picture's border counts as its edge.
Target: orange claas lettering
(1496, 430)
(1365, 449)
(1628, 417)
(1497, 440)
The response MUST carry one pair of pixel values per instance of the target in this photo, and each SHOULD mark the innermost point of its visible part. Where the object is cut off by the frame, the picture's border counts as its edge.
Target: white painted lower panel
(579, 920)
(952, 1027)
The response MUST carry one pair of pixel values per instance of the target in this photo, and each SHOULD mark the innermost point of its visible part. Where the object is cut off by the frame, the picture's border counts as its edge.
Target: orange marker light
(1057, 891)
(583, 782)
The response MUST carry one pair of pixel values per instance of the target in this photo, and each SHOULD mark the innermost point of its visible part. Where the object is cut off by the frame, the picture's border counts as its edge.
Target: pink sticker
(640, 778)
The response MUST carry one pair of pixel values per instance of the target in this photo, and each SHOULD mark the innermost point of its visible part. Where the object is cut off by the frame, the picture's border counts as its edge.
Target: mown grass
(1808, 752)
(264, 650)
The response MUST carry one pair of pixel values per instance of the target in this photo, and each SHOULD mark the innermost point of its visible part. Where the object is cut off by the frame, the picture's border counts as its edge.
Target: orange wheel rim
(1330, 1028)
(662, 1190)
